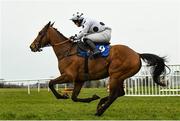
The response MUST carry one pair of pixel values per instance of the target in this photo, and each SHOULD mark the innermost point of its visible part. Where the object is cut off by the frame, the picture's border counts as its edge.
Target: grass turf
(17, 104)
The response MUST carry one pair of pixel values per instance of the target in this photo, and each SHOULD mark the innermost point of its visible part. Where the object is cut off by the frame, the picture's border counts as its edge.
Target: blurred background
(147, 26)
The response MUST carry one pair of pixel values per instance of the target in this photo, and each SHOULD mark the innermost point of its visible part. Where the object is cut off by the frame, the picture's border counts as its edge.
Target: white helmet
(77, 16)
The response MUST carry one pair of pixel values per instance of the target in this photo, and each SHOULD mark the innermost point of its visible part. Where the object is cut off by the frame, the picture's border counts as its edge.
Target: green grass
(17, 104)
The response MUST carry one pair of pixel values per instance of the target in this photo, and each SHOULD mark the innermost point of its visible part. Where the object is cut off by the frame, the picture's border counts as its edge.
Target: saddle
(84, 51)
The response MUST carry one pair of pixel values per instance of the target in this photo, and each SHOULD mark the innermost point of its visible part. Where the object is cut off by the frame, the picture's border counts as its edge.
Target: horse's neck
(56, 40)
(55, 36)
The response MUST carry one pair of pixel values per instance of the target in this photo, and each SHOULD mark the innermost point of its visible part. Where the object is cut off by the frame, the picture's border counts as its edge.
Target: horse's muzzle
(34, 48)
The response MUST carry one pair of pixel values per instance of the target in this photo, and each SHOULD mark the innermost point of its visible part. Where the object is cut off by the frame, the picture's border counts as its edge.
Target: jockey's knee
(85, 39)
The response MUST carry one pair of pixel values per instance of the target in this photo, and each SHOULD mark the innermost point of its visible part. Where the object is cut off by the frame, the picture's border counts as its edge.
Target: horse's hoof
(99, 107)
(58, 97)
(98, 114)
(65, 96)
(95, 97)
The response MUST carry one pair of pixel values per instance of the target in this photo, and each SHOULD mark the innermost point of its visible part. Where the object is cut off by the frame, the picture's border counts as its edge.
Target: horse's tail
(158, 66)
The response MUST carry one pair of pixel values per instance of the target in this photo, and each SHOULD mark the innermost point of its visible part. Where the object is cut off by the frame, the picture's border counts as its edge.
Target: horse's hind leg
(76, 91)
(116, 90)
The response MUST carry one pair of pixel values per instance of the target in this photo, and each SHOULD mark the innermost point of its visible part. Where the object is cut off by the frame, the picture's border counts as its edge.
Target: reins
(60, 43)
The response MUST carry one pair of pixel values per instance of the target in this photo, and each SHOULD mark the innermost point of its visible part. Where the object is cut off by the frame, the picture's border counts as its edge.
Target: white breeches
(103, 36)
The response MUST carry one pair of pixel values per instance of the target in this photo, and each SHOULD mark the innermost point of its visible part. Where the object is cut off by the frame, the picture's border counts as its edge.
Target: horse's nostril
(32, 46)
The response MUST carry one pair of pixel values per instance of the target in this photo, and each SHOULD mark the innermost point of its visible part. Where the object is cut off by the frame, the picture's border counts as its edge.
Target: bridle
(44, 34)
(63, 54)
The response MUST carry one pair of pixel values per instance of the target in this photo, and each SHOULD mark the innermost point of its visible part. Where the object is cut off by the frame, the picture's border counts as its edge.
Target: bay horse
(121, 63)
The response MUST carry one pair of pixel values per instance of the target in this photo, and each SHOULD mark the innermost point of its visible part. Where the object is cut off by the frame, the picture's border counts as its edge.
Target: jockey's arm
(84, 31)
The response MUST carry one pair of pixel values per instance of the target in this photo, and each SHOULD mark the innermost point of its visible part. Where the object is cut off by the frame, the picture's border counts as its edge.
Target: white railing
(145, 86)
(139, 85)
(142, 84)
(29, 84)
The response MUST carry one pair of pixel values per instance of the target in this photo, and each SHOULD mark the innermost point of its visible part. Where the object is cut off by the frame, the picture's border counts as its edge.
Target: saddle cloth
(104, 48)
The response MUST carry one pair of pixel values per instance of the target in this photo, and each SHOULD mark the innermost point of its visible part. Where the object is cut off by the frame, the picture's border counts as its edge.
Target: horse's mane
(60, 34)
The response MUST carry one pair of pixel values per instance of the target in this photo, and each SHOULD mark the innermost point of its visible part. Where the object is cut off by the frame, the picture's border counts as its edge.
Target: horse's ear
(47, 25)
(52, 24)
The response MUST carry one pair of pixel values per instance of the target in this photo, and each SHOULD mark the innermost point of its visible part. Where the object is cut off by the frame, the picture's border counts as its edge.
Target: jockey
(92, 31)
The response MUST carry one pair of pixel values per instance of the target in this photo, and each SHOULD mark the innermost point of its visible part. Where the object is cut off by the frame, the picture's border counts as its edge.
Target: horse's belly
(97, 69)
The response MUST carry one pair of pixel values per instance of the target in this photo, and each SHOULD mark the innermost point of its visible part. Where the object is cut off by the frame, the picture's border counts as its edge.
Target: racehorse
(121, 63)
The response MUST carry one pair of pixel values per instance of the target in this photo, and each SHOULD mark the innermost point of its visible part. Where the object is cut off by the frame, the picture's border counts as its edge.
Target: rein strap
(60, 43)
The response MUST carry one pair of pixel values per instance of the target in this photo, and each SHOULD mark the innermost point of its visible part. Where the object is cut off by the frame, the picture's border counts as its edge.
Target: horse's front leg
(60, 80)
(76, 91)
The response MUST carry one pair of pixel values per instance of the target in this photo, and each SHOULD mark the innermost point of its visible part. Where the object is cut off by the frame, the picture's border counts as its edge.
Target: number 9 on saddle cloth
(84, 51)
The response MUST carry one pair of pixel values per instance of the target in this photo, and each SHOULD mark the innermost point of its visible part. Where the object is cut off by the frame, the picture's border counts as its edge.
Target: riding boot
(92, 46)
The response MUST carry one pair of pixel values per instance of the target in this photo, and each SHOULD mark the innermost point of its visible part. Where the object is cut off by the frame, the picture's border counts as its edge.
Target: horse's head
(42, 39)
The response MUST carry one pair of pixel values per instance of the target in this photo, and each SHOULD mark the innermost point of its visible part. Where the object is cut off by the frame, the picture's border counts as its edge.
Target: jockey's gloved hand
(71, 37)
(74, 38)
